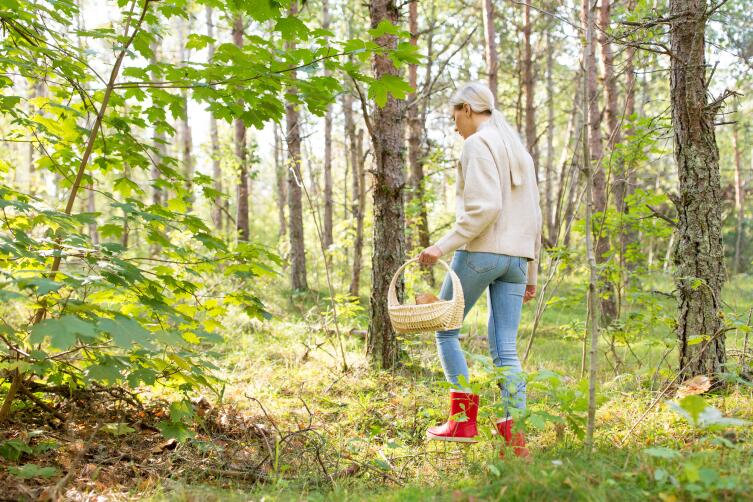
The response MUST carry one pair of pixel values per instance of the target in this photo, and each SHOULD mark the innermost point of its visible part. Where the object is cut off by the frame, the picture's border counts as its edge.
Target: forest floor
(292, 426)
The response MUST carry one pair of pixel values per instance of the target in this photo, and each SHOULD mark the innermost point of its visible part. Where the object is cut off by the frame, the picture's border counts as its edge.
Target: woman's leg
(474, 277)
(506, 302)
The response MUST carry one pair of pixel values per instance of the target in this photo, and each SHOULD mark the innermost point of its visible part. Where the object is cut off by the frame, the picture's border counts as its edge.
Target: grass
(377, 420)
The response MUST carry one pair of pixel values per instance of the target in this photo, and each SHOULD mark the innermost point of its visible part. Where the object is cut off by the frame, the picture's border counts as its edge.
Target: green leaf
(106, 371)
(694, 405)
(62, 331)
(386, 85)
(8, 103)
(180, 410)
(125, 332)
(262, 10)
(13, 449)
(111, 230)
(292, 28)
(126, 187)
(176, 431)
(661, 452)
(118, 428)
(28, 471)
(198, 41)
(43, 285)
(6, 295)
(384, 28)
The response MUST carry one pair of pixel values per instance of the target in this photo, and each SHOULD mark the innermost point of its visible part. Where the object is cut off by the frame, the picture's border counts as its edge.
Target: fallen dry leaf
(170, 444)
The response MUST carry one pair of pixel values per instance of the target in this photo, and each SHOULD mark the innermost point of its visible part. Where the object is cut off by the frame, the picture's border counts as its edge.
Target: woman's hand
(430, 255)
(530, 293)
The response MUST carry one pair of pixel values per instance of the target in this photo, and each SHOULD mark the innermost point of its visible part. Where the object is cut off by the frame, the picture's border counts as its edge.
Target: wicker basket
(437, 316)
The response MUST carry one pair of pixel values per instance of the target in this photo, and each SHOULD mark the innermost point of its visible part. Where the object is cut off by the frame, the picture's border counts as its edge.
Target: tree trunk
(549, 210)
(159, 140)
(295, 181)
(242, 226)
(419, 225)
(610, 93)
(327, 231)
(739, 200)
(216, 210)
(387, 130)
(615, 163)
(592, 320)
(281, 194)
(360, 210)
(355, 142)
(490, 48)
(569, 169)
(528, 87)
(698, 255)
(628, 235)
(185, 127)
(596, 155)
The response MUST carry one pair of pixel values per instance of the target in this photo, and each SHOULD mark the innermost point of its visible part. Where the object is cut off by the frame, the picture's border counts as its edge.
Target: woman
(496, 239)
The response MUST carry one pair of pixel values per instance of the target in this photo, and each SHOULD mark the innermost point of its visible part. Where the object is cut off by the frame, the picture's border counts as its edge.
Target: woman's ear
(467, 109)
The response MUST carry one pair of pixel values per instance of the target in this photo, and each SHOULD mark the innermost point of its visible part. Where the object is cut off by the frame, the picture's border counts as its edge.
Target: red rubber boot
(461, 432)
(516, 440)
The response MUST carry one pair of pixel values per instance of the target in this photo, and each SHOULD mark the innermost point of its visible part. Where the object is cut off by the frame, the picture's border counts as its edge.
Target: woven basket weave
(437, 316)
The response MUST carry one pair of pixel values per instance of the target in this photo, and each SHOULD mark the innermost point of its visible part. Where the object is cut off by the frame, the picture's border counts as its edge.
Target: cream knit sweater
(492, 215)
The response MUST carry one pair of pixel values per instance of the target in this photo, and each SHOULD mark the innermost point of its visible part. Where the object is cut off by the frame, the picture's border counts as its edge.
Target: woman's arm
(482, 203)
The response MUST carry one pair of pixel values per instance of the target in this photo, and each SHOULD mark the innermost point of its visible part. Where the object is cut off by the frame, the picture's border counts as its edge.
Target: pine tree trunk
(569, 169)
(549, 209)
(355, 142)
(295, 181)
(596, 154)
(628, 235)
(739, 201)
(388, 128)
(281, 194)
(490, 48)
(216, 210)
(698, 254)
(614, 163)
(242, 225)
(328, 214)
(420, 223)
(360, 213)
(528, 87)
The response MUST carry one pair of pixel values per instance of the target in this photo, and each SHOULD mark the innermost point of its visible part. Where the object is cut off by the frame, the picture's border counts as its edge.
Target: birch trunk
(242, 225)
(214, 136)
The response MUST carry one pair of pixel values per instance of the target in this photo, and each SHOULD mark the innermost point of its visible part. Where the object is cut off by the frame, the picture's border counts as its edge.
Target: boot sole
(450, 439)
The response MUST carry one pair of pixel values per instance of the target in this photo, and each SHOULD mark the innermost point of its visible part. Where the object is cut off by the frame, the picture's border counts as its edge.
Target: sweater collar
(487, 123)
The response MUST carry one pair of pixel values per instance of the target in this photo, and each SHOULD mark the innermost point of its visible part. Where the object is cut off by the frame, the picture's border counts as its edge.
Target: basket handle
(392, 293)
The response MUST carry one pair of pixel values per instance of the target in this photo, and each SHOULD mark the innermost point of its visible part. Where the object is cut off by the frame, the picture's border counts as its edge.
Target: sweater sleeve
(482, 203)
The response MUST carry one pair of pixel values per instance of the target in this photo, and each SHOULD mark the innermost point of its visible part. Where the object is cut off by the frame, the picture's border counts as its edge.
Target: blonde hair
(480, 99)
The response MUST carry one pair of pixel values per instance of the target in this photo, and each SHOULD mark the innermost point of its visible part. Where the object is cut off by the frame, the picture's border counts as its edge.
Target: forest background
(204, 203)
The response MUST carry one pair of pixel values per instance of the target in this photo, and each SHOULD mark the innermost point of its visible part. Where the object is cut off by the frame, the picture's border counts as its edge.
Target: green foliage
(141, 315)
(28, 471)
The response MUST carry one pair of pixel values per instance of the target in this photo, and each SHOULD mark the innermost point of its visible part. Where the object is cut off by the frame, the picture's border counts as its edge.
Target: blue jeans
(505, 277)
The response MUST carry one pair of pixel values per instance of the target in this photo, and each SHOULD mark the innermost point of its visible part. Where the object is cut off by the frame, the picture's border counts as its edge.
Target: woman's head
(472, 104)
